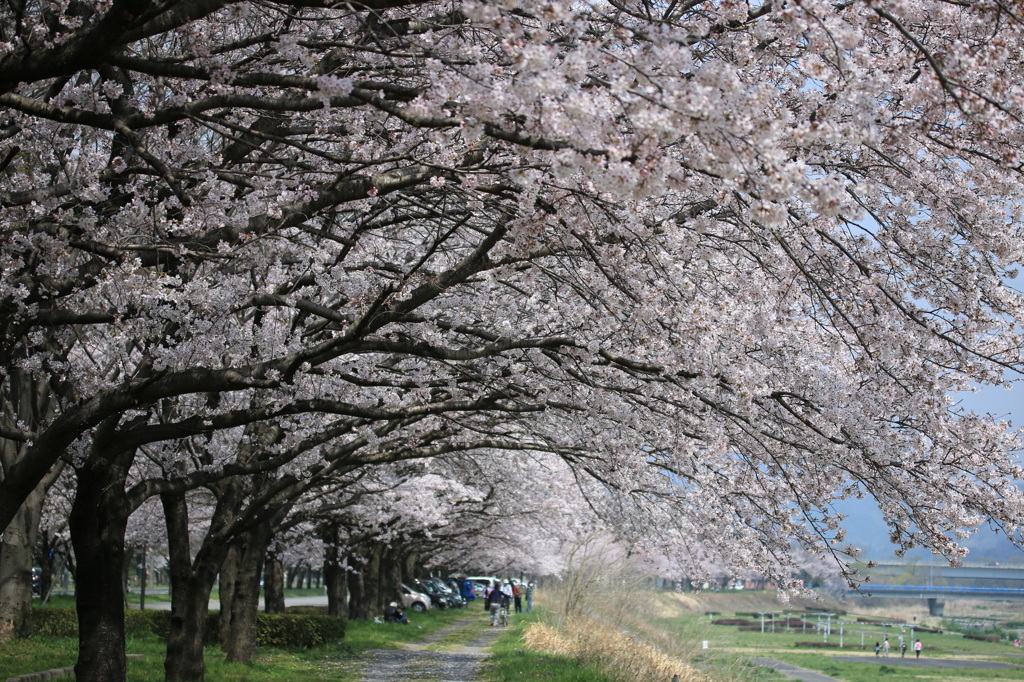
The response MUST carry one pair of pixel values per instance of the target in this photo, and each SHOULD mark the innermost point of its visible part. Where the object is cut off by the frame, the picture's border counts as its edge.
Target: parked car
(414, 599)
(485, 580)
(453, 596)
(437, 599)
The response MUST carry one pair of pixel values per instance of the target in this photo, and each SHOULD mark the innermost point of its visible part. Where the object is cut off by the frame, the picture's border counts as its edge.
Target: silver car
(417, 601)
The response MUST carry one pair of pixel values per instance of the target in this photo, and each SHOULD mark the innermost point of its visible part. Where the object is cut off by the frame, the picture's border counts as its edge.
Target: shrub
(138, 623)
(279, 630)
(732, 621)
(294, 630)
(55, 622)
(817, 645)
(984, 638)
(307, 610)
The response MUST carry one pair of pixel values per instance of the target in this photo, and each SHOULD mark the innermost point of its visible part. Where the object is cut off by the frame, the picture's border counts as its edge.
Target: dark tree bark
(273, 585)
(238, 622)
(358, 609)
(191, 584)
(28, 401)
(98, 520)
(391, 576)
(335, 575)
(372, 593)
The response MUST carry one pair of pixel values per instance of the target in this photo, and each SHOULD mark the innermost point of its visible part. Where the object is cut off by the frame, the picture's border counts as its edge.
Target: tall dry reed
(599, 614)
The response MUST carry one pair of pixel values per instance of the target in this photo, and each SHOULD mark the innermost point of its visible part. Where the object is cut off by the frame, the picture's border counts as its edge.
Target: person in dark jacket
(494, 600)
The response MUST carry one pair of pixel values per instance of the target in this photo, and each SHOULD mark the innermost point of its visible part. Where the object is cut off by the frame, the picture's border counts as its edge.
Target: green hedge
(277, 630)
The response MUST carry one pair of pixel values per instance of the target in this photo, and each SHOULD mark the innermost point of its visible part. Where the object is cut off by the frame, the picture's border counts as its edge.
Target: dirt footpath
(415, 664)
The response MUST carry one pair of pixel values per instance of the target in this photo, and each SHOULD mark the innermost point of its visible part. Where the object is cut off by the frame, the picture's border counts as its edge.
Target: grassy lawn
(729, 648)
(333, 662)
(893, 672)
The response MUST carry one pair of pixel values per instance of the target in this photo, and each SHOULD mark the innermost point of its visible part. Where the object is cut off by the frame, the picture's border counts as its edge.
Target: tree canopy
(725, 262)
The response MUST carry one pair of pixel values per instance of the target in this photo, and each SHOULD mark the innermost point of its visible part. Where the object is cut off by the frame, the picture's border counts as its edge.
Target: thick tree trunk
(16, 568)
(29, 402)
(358, 609)
(238, 625)
(391, 576)
(273, 585)
(191, 585)
(371, 581)
(98, 519)
(335, 575)
(228, 574)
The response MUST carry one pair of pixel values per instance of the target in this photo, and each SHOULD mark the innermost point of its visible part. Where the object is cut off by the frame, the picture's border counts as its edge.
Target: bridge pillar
(935, 606)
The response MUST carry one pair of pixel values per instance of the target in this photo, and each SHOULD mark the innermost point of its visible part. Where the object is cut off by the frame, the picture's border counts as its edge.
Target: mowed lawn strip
(335, 661)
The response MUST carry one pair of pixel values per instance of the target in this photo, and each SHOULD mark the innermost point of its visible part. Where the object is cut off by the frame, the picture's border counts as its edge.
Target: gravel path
(415, 664)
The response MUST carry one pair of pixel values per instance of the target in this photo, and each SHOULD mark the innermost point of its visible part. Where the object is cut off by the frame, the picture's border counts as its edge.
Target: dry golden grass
(618, 654)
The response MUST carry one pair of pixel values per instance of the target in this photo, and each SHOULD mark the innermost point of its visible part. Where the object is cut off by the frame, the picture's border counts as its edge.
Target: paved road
(926, 662)
(793, 672)
(319, 600)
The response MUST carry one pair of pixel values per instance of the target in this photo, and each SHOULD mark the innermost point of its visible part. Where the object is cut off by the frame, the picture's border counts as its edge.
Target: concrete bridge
(938, 582)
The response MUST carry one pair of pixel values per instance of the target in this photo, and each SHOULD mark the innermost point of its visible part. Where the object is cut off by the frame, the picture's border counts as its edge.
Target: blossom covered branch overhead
(726, 260)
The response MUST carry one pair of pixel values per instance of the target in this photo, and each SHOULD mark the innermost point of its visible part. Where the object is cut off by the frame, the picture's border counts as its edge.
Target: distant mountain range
(866, 529)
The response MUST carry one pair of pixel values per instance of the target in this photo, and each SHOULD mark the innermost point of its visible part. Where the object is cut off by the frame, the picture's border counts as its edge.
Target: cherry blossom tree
(726, 261)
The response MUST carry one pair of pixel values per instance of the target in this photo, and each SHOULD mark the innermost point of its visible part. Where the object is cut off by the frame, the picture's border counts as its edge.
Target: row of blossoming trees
(710, 266)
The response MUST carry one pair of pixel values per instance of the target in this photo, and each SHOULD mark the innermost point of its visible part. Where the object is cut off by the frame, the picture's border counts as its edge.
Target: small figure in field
(529, 597)
(885, 646)
(878, 649)
(917, 648)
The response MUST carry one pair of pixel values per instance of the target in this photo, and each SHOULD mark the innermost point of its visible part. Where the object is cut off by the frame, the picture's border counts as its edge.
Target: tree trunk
(29, 401)
(335, 575)
(16, 568)
(273, 585)
(299, 574)
(357, 606)
(391, 576)
(228, 574)
(371, 581)
(238, 624)
(190, 595)
(98, 520)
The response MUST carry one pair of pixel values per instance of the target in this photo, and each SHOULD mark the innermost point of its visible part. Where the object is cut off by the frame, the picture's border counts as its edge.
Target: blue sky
(864, 522)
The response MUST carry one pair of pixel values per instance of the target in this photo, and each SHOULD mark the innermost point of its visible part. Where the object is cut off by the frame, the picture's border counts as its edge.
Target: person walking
(878, 649)
(917, 648)
(494, 605)
(529, 597)
(885, 647)
(903, 649)
(517, 591)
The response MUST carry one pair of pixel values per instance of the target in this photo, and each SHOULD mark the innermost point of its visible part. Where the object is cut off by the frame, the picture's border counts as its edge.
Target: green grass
(510, 661)
(893, 672)
(729, 649)
(362, 635)
(333, 662)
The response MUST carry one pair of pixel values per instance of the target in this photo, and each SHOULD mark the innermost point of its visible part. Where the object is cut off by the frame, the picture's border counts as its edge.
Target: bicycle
(503, 616)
